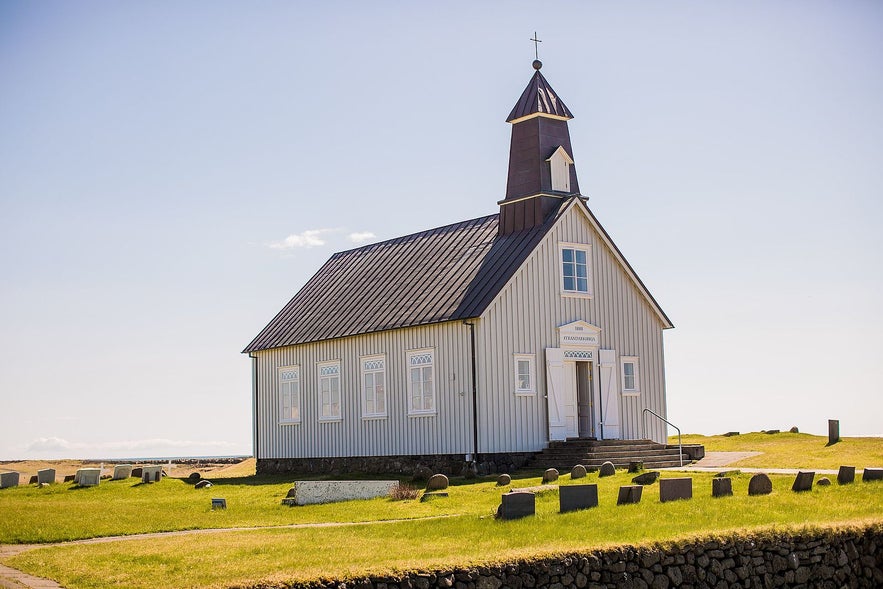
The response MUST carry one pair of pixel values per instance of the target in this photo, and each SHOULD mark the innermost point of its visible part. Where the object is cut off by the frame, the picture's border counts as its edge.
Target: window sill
(422, 413)
(631, 393)
(577, 295)
(330, 419)
(525, 393)
(289, 423)
(376, 417)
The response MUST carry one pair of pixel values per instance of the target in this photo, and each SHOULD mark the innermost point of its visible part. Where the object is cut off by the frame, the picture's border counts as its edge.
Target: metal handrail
(644, 432)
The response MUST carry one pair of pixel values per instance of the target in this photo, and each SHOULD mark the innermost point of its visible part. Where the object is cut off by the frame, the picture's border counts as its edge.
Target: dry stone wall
(842, 558)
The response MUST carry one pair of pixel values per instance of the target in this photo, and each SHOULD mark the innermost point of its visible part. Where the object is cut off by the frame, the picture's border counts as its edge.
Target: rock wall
(838, 558)
(449, 464)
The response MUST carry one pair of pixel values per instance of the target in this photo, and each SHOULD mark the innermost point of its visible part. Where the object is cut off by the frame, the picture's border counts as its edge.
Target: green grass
(286, 555)
(787, 450)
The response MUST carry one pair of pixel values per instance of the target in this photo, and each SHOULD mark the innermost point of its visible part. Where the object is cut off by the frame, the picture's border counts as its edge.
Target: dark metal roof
(443, 274)
(539, 97)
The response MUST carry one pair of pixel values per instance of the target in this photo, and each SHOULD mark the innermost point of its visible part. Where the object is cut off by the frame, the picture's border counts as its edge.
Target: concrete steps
(593, 453)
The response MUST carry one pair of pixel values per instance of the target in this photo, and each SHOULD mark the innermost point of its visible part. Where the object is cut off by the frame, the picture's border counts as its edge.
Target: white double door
(582, 394)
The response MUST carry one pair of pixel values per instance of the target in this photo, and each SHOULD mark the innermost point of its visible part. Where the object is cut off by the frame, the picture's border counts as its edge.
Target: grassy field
(787, 450)
(469, 535)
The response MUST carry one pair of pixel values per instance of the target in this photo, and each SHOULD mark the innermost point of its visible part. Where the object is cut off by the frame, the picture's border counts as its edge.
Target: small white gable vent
(560, 163)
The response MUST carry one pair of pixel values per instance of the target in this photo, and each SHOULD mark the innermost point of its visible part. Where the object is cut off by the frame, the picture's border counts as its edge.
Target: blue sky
(172, 172)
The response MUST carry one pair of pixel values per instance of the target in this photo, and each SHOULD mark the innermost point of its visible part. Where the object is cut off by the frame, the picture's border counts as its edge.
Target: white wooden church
(479, 342)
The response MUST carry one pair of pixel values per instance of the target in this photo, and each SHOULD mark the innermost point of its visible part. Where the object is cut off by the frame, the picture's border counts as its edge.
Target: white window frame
(531, 372)
(329, 372)
(373, 365)
(285, 377)
(413, 356)
(581, 247)
(634, 361)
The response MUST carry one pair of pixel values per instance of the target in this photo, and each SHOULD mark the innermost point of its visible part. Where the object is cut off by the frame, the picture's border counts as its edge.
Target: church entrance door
(584, 407)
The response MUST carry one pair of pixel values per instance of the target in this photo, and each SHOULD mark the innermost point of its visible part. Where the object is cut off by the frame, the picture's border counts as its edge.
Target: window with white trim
(289, 394)
(630, 383)
(329, 390)
(576, 269)
(373, 386)
(421, 382)
(524, 374)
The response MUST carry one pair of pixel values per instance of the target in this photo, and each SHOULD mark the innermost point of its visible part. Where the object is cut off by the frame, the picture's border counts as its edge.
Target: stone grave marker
(833, 431)
(578, 472)
(88, 477)
(219, 504)
(33, 480)
(503, 480)
(433, 495)
(203, 484)
(647, 478)
(137, 472)
(122, 471)
(517, 504)
(872, 474)
(846, 475)
(674, 489)
(46, 475)
(68, 478)
(824, 482)
(151, 474)
(9, 479)
(607, 470)
(551, 474)
(193, 478)
(574, 497)
(437, 482)
(760, 484)
(636, 466)
(629, 494)
(803, 481)
(722, 487)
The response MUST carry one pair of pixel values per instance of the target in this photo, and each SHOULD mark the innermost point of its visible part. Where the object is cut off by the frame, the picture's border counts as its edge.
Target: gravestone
(137, 472)
(122, 471)
(607, 470)
(674, 489)
(219, 504)
(517, 504)
(88, 477)
(760, 484)
(647, 478)
(578, 472)
(437, 482)
(151, 474)
(550, 475)
(872, 474)
(722, 487)
(629, 494)
(9, 479)
(69, 478)
(574, 497)
(803, 481)
(434, 495)
(203, 484)
(312, 492)
(194, 478)
(824, 482)
(503, 480)
(833, 431)
(636, 466)
(46, 475)
(33, 480)
(846, 475)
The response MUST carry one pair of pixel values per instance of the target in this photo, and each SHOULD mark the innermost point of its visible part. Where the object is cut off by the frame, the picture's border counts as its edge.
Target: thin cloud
(362, 237)
(53, 444)
(306, 239)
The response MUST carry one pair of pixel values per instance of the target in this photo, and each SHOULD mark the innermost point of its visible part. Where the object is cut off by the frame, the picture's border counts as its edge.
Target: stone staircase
(593, 453)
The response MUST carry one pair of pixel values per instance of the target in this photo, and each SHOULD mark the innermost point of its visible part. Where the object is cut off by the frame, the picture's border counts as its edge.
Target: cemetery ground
(355, 538)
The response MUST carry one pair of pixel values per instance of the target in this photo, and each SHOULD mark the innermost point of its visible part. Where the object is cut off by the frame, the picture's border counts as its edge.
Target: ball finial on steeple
(537, 64)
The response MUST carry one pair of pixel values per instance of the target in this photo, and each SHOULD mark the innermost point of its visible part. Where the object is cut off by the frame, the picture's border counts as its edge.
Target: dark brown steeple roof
(539, 97)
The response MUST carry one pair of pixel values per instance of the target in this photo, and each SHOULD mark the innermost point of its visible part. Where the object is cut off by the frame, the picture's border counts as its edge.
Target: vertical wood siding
(449, 431)
(524, 318)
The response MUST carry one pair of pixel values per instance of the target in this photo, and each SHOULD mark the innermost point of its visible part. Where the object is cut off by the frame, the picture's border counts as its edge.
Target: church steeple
(541, 171)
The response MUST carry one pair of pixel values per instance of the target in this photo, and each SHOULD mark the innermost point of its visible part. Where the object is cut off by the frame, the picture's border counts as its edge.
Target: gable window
(421, 382)
(329, 391)
(374, 386)
(576, 270)
(289, 394)
(524, 374)
(630, 384)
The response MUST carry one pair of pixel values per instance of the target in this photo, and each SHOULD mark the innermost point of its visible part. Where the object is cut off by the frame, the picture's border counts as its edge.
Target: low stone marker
(551, 474)
(503, 480)
(636, 466)
(803, 481)
(629, 494)
(872, 474)
(68, 478)
(219, 504)
(203, 484)
(151, 474)
(46, 475)
(88, 477)
(517, 504)
(575, 497)
(122, 471)
(33, 480)
(833, 431)
(434, 495)
(578, 472)
(607, 470)
(824, 482)
(722, 487)
(313, 492)
(437, 482)
(137, 472)
(9, 479)
(760, 484)
(193, 478)
(647, 478)
(846, 475)
(675, 489)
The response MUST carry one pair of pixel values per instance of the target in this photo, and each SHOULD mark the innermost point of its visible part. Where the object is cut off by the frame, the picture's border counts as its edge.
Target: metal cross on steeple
(536, 45)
